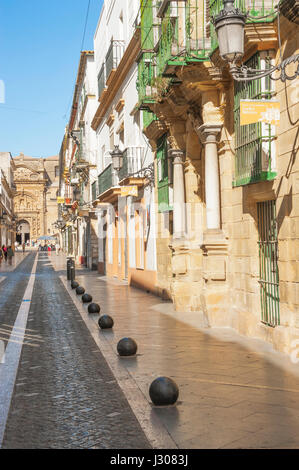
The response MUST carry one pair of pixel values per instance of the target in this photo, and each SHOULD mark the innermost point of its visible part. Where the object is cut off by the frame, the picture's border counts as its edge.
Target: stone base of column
(187, 280)
(214, 248)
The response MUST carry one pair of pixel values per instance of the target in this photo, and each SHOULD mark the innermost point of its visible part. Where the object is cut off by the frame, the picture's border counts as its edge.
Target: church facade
(35, 200)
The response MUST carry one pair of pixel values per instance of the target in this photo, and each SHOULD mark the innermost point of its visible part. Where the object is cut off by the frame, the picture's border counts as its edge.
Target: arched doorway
(23, 234)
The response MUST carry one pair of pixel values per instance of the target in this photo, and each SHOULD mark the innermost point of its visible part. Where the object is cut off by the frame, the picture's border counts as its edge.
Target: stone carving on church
(25, 203)
(23, 173)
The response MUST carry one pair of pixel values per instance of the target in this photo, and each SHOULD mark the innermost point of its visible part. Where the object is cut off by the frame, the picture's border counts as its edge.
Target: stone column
(179, 209)
(208, 135)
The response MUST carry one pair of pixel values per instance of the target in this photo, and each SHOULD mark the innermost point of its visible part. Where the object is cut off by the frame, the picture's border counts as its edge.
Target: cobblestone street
(65, 396)
(73, 391)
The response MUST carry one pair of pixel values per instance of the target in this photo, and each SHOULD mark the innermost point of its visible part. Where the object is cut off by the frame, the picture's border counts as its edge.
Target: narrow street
(71, 390)
(64, 396)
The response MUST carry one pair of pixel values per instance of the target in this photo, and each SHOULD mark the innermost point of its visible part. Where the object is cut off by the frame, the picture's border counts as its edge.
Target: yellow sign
(129, 191)
(252, 111)
(60, 200)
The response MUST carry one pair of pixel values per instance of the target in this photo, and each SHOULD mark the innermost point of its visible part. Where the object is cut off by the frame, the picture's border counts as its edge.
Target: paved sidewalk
(235, 392)
(5, 267)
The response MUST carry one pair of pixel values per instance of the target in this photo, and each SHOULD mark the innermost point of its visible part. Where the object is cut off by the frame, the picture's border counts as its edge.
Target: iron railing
(114, 56)
(268, 262)
(183, 34)
(101, 80)
(133, 160)
(105, 179)
(253, 142)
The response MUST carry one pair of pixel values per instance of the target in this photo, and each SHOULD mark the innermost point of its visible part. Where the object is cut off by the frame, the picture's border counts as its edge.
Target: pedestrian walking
(57, 246)
(4, 249)
(10, 254)
(1, 255)
(23, 246)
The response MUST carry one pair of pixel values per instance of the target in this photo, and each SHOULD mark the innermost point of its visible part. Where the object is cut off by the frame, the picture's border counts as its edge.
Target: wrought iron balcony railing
(105, 179)
(132, 161)
(185, 34)
(101, 80)
(114, 56)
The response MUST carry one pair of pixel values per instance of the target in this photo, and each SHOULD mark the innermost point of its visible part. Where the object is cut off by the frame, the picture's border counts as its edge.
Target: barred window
(254, 143)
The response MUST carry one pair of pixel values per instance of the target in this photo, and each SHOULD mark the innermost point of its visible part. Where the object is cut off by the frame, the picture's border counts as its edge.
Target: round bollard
(80, 290)
(74, 284)
(106, 322)
(127, 347)
(163, 391)
(94, 308)
(86, 298)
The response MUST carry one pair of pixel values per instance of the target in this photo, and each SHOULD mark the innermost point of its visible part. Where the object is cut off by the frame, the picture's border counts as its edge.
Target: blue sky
(40, 43)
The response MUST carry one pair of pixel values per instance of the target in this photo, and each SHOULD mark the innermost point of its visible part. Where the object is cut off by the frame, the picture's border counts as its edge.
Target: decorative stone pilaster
(179, 209)
(208, 135)
(214, 242)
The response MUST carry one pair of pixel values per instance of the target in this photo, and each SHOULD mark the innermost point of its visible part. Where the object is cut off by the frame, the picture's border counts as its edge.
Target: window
(163, 175)
(254, 143)
(268, 261)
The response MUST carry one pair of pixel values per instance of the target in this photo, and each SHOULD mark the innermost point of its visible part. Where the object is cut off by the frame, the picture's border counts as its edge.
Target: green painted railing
(268, 262)
(105, 179)
(253, 142)
(184, 34)
(145, 80)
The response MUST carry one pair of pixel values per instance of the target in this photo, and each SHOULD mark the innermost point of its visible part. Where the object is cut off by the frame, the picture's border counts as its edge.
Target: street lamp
(117, 158)
(230, 25)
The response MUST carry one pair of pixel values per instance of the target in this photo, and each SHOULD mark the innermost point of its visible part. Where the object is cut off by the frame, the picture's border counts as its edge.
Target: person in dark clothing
(4, 249)
(10, 254)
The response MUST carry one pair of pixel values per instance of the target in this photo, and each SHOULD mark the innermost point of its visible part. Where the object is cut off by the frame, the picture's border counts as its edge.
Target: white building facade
(123, 195)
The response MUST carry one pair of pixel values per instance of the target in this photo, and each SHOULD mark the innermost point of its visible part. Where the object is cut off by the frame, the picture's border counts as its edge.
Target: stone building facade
(227, 232)
(35, 201)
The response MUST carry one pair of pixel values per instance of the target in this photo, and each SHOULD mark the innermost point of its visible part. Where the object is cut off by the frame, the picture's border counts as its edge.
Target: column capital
(177, 155)
(208, 132)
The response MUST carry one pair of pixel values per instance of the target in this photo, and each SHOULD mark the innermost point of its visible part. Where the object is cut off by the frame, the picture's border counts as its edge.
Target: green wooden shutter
(162, 175)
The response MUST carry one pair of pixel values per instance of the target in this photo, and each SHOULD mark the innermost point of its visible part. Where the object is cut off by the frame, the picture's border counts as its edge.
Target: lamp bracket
(243, 73)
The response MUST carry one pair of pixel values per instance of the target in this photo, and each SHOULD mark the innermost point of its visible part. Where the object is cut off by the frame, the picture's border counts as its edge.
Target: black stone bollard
(127, 347)
(86, 298)
(74, 284)
(80, 290)
(72, 271)
(94, 308)
(106, 322)
(164, 391)
(68, 267)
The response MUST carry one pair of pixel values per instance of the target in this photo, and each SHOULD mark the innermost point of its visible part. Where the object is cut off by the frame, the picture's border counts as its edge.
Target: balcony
(132, 163)
(105, 179)
(114, 56)
(101, 80)
(185, 34)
